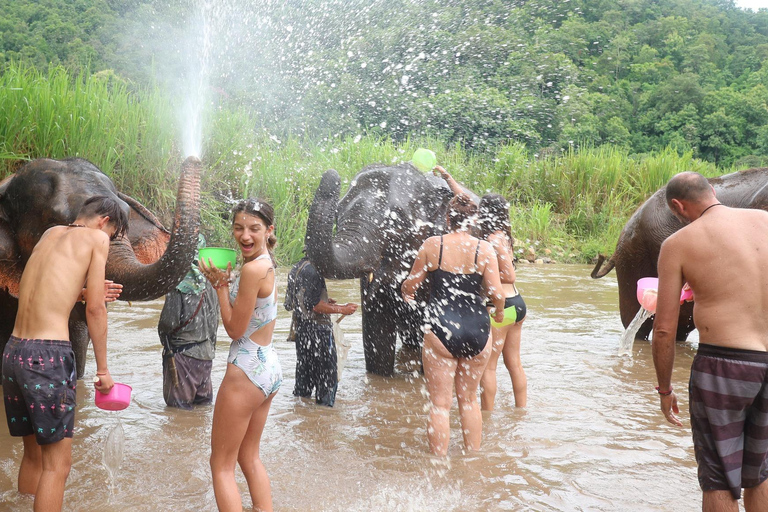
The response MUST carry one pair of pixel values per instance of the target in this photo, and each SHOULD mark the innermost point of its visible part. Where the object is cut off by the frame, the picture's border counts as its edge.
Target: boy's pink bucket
(117, 399)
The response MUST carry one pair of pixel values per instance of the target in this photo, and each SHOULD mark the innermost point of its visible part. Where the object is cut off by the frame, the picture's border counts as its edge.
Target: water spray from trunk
(198, 81)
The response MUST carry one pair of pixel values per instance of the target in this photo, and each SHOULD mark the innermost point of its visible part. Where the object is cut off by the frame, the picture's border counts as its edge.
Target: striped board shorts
(728, 393)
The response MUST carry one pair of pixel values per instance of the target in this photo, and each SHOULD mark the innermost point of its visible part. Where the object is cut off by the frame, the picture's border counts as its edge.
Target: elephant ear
(10, 266)
(3, 188)
(10, 260)
(148, 237)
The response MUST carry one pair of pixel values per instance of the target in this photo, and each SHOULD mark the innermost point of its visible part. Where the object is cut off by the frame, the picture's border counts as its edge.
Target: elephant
(637, 251)
(149, 261)
(380, 223)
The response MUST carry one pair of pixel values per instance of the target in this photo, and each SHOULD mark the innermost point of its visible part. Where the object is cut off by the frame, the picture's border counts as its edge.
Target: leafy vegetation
(573, 203)
(576, 111)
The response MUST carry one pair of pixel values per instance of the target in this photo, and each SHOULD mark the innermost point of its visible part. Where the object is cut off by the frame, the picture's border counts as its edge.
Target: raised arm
(455, 187)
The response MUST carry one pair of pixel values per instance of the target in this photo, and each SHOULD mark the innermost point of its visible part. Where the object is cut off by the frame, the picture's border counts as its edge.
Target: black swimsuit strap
(440, 258)
(477, 251)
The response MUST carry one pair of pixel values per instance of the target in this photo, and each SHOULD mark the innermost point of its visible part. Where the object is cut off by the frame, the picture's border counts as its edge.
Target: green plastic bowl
(510, 317)
(219, 255)
(424, 159)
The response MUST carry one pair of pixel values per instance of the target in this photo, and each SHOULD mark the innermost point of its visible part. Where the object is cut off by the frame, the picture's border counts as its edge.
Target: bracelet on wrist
(102, 373)
(220, 285)
(664, 393)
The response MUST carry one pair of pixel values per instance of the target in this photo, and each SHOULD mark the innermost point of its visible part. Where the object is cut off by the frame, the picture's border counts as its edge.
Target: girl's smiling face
(251, 233)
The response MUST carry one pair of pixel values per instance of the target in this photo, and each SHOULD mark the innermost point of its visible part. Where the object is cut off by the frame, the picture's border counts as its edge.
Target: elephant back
(743, 189)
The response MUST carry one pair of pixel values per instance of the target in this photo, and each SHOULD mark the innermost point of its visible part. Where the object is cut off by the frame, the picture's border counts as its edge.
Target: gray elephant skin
(380, 223)
(637, 251)
(148, 262)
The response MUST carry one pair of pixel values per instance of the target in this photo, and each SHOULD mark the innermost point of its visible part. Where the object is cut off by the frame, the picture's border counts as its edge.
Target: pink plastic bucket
(646, 283)
(117, 399)
(647, 287)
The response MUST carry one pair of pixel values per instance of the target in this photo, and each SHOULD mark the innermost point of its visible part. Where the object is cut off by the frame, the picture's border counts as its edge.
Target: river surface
(591, 438)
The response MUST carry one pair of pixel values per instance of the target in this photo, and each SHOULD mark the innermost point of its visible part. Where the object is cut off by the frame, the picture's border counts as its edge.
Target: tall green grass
(574, 203)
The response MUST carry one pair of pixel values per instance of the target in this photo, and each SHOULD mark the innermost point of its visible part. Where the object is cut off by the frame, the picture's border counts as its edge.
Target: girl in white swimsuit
(253, 376)
(259, 362)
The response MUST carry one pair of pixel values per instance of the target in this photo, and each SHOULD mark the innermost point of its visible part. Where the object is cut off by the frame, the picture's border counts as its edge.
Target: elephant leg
(410, 331)
(644, 333)
(410, 327)
(685, 323)
(78, 336)
(379, 329)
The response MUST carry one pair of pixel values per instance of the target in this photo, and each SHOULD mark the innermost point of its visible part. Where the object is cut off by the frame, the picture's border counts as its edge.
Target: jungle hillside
(575, 110)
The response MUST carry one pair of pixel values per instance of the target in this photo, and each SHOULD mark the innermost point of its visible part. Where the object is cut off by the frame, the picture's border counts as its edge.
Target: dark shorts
(191, 384)
(39, 382)
(728, 393)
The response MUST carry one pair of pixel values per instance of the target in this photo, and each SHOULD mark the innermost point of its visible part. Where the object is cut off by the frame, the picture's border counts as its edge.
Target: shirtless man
(728, 389)
(38, 365)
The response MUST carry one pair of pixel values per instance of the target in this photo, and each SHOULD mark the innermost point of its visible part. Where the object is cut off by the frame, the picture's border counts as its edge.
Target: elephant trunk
(352, 252)
(149, 281)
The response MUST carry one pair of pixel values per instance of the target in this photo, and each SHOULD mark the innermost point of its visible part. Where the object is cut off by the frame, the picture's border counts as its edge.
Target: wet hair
(461, 210)
(688, 186)
(494, 215)
(263, 210)
(105, 206)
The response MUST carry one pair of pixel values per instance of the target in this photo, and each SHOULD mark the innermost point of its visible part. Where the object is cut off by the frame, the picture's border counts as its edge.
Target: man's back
(724, 257)
(54, 277)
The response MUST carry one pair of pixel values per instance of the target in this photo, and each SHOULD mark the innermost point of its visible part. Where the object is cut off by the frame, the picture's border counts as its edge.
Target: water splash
(198, 75)
(113, 453)
(628, 338)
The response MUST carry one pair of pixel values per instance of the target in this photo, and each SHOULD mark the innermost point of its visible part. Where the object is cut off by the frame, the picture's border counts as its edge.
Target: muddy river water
(591, 438)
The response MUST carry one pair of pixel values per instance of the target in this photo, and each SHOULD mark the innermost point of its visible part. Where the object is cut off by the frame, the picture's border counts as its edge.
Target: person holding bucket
(38, 367)
(248, 311)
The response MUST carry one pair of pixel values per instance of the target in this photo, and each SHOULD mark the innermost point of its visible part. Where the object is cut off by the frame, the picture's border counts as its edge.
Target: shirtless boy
(722, 253)
(38, 365)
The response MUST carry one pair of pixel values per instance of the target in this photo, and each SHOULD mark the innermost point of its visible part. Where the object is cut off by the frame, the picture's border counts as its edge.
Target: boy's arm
(96, 309)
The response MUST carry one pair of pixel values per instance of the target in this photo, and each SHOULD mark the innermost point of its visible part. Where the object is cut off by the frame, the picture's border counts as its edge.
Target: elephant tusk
(370, 277)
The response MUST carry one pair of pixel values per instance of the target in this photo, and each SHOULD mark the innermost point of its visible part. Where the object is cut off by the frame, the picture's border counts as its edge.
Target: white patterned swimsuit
(259, 362)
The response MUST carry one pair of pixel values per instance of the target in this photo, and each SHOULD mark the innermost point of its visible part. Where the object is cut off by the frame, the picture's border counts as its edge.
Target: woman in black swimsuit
(464, 270)
(494, 224)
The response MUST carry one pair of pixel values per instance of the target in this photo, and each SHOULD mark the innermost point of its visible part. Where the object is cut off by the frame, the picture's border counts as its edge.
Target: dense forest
(576, 110)
(638, 74)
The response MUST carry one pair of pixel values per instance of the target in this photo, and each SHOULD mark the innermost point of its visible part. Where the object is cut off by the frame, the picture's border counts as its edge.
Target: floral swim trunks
(260, 363)
(39, 381)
